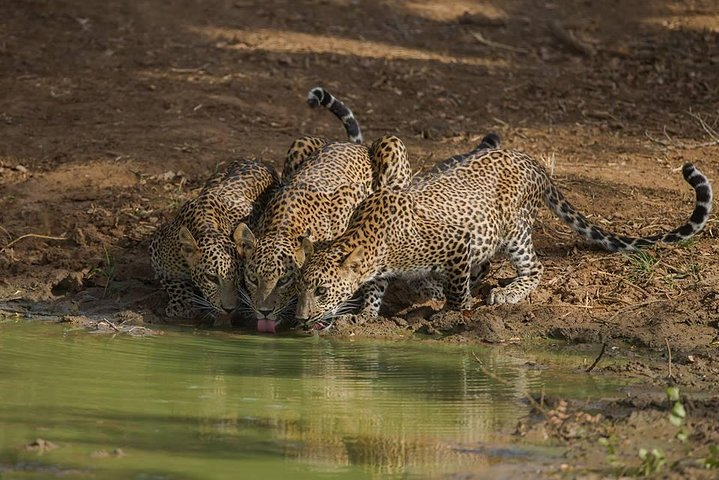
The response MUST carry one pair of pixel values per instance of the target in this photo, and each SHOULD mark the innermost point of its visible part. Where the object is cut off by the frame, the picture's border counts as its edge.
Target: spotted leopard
(455, 222)
(195, 256)
(316, 203)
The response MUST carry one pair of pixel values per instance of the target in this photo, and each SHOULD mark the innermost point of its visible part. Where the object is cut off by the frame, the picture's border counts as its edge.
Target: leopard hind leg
(390, 165)
(520, 251)
(458, 269)
(300, 150)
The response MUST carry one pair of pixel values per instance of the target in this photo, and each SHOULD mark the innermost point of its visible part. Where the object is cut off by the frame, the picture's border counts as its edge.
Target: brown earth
(114, 113)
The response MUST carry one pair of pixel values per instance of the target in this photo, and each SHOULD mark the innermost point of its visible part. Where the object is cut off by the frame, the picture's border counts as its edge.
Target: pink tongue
(266, 326)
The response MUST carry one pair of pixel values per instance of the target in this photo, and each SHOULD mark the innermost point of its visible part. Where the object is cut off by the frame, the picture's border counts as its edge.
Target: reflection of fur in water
(339, 409)
(365, 430)
(397, 455)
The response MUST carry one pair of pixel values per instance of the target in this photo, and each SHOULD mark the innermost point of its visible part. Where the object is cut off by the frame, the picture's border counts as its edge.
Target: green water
(206, 404)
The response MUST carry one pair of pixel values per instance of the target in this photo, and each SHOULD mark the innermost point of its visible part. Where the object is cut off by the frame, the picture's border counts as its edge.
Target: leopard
(195, 255)
(453, 223)
(315, 204)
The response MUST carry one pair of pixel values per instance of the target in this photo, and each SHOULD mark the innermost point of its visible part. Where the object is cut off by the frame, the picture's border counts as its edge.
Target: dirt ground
(114, 113)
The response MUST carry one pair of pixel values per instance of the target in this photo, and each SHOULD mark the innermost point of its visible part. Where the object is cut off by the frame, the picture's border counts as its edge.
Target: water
(206, 404)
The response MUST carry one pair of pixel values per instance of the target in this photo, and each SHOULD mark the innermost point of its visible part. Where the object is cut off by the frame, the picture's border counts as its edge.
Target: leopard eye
(319, 291)
(251, 278)
(214, 279)
(283, 281)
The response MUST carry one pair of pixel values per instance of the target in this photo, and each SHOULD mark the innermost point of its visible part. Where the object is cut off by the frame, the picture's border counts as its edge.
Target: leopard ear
(244, 240)
(354, 260)
(188, 247)
(305, 250)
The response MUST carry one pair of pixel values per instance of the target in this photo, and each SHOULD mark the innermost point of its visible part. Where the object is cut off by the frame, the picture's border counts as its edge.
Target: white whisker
(245, 297)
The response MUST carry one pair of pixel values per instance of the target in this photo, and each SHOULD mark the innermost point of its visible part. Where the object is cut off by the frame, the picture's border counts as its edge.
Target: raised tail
(612, 242)
(319, 96)
(491, 141)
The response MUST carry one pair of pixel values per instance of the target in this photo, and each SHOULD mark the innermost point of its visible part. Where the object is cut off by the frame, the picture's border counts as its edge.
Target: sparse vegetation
(643, 265)
(106, 271)
(653, 459)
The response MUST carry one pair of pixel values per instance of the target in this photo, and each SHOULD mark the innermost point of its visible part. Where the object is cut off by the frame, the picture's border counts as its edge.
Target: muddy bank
(100, 148)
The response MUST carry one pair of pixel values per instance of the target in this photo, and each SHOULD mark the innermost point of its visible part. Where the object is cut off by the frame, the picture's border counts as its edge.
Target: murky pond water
(206, 404)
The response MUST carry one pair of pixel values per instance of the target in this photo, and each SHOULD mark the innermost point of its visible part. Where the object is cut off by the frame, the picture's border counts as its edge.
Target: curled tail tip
(315, 96)
(688, 170)
(492, 140)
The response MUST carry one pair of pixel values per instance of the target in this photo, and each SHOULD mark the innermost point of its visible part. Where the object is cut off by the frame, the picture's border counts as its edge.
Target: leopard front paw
(502, 295)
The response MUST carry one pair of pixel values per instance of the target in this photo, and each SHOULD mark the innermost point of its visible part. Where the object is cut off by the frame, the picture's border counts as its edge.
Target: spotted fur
(453, 223)
(300, 150)
(317, 203)
(194, 255)
(429, 286)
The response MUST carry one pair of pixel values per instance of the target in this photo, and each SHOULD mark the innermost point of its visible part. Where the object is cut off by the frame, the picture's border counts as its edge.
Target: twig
(669, 360)
(713, 135)
(568, 39)
(190, 70)
(4, 230)
(624, 280)
(11, 299)
(32, 235)
(709, 130)
(632, 307)
(596, 361)
(489, 43)
(12, 311)
(568, 305)
(524, 393)
(114, 327)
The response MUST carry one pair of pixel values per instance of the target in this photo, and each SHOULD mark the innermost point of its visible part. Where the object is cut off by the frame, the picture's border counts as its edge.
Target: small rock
(41, 446)
(71, 283)
(428, 329)
(114, 453)
(418, 314)
(21, 169)
(490, 328)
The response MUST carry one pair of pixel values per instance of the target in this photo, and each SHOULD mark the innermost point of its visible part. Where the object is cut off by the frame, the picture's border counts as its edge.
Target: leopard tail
(319, 96)
(491, 141)
(610, 241)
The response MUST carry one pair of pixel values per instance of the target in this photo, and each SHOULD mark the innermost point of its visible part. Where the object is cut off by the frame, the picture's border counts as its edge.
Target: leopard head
(329, 279)
(213, 262)
(270, 272)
